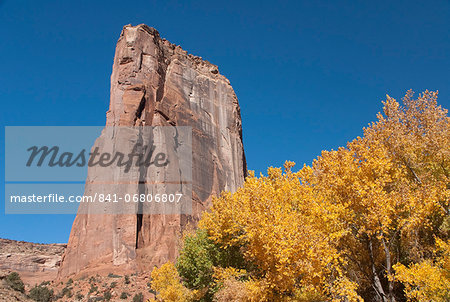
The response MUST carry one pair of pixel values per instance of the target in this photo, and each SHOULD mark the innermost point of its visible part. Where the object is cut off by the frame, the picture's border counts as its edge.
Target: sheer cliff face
(157, 83)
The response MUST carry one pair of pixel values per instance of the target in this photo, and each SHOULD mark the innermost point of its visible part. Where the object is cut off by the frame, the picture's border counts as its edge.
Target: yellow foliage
(166, 282)
(428, 280)
(222, 274)
(390, 188)
(345, 290)
(338, 225)
(336, 230)
(258, 290)
(284, 231)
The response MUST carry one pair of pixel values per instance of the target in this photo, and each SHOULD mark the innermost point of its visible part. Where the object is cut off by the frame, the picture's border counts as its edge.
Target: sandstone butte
(155, 82)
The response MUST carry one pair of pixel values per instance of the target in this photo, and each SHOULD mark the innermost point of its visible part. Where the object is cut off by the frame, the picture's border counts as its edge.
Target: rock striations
(157, 83)
(35, 262)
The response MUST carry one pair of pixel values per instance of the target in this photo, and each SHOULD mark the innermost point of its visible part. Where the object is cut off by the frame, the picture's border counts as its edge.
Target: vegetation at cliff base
(41, 293)
(13, 280)
(369, 221)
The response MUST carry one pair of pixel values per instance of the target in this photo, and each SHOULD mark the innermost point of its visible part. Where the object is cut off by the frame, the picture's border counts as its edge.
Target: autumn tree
(287, 236)
(367, 221)
(393, 183)
(428, 280)
(168, 287)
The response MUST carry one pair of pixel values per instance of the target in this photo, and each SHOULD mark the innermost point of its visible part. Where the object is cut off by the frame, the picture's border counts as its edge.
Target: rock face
(157, 83)
(33, 261)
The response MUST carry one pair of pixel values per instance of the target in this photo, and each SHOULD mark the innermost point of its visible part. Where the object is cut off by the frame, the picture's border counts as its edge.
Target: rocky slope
(157, 83)
(33, 261)
(7, 294)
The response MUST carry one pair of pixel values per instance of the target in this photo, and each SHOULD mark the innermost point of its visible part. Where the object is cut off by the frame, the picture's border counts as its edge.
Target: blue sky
(308, 74)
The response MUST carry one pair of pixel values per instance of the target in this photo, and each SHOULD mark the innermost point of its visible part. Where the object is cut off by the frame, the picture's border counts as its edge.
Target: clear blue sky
(308, 74)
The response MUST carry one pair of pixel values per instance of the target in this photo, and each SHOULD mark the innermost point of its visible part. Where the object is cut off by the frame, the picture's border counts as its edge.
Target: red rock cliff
(154, 82)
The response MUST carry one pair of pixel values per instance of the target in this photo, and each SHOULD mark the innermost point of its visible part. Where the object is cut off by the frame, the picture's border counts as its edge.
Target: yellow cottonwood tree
(353, 214)
(429, 280)
(287, 236)
(393, 183)
(166, 283)
(362, 222)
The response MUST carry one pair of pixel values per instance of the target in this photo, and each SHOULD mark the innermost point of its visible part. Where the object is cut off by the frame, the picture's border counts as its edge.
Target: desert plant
(93, 288)
(107, 295)
(138, 298)
(13, 280)
(67, 291)
(41, 294)
(127, 279)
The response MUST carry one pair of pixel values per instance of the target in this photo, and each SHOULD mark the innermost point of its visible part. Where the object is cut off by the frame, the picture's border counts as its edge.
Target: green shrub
(69, 282)
(127, 279)
(13, 280)
(123, 295)
(107, 295)
(199, 255)
(138, 298)
(196, 260)
(41, 294)
(79, 296)
(113, 284)
(67, 292)
(93, 289)
(111, 275)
